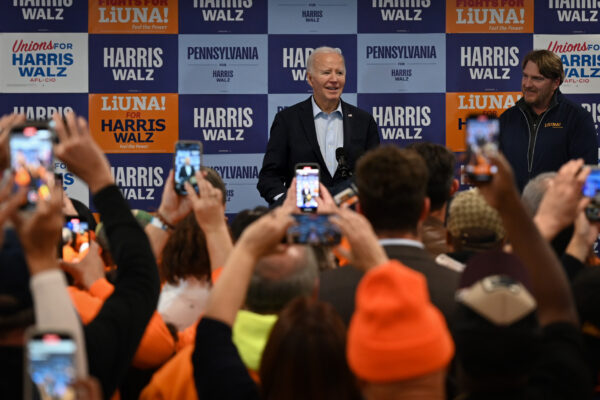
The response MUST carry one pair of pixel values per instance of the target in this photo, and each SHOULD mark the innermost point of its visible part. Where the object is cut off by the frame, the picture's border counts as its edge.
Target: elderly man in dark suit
(312, 131)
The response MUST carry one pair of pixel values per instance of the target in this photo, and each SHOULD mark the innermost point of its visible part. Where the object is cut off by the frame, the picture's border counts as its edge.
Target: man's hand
(264, 235)
(563, 199)
(40, 232)
(583, 239)
(83, 156)
(326, 204)
(6, 124)
(88, 270)
(366, 250)
(9, 203)
(173, 207)
(501, 190)
(208, 206)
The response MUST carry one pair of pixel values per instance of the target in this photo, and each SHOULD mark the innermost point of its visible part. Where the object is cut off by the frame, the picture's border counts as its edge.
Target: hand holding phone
(188, 160)
(482, 141)
(307, 187)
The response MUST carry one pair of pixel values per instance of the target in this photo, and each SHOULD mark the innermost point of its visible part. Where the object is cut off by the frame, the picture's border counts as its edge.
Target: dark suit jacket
(338, 286)
(293, 140)
(183, 174)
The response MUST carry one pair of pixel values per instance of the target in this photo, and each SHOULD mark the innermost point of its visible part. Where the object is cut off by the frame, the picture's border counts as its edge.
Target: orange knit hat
(396, 333)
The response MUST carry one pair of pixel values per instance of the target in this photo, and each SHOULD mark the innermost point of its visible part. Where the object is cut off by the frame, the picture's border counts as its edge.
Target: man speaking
(544, 129)
(317, 130)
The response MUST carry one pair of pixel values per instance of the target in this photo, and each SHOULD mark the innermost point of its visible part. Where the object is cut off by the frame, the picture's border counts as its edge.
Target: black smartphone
(307, 187)
(49, 364)
(31, 160)
(314, 229)
(482, 133)
(75, 239)
(187, 160)
(591, 189)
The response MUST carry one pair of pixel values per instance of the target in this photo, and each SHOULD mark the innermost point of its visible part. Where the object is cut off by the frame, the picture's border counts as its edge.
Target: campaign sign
(406, 118)
(485, 62)
(459, 106)
(385, 16)
(288, 55)
(489, 16)
(209, 16)
(215, 64)
(567, 16)
(134, 123)
(279, 102)
(72, 185)
(133, 16)
(240, 174)
(580, 55)
(44, 16)
(43, 62)
(141, 177)
(590, 102)
(411, 63)
(133, 63)
(43, 106)
(293, 16)
(225, 124)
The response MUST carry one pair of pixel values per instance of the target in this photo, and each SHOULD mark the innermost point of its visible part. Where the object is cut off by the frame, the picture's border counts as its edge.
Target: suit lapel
(308, 123)
(347, 118)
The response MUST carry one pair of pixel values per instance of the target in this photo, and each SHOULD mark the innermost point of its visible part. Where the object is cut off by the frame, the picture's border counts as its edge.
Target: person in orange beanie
(399, 345)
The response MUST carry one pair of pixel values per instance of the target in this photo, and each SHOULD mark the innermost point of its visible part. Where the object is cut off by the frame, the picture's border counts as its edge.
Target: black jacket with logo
(565, 131)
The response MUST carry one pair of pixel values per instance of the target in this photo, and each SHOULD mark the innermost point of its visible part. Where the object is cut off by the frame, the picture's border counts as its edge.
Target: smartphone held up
(591, 189)
(49, 365)
(307, 187)
(31, 159)
(482, 133)
(187, 160)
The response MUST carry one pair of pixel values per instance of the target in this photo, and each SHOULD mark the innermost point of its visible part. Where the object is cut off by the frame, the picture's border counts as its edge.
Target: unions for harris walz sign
(35, 62)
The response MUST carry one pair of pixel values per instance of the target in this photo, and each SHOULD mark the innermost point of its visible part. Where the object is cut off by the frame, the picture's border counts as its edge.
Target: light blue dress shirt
(330, 133)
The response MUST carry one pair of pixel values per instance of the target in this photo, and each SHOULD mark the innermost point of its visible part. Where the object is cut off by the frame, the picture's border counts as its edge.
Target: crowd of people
(434, 293)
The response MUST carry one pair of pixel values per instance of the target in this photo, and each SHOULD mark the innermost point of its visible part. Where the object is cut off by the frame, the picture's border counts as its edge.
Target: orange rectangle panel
(460, 105)
(135, 123)
(133, 16)
(489, 16)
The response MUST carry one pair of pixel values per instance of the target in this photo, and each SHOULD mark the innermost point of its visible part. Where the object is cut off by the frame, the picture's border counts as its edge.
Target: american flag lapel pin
(349, 115)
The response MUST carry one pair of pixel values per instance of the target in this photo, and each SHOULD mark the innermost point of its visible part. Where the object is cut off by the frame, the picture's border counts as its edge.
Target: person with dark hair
(441, 186)
(186, 273)
(245, 218)
(392, 184)
(219, 371)
(544, 129)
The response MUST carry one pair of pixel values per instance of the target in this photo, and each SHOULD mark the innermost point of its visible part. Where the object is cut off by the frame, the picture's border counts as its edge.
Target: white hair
(322, 50)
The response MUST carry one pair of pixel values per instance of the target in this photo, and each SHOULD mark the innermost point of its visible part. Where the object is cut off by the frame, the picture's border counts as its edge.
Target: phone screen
(591, 188)
(314, 229)
(50, 366)
(482, 141)
(31, 161)
(75, 241)
(307, 187)
(188, 160)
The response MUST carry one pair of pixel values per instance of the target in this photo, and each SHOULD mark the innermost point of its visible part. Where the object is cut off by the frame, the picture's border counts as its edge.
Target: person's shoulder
(348, 108)
(566, 103)
(294, 109)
